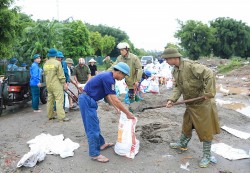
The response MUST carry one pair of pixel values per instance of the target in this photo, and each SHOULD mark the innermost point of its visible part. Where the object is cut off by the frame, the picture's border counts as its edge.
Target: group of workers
(191, 80)
(13, 67)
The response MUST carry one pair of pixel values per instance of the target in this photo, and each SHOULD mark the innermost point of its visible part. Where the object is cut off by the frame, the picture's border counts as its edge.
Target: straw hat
(92, 60)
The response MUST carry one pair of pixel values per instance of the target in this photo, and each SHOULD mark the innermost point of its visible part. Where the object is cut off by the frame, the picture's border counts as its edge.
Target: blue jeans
(88, 107)
(35, 92)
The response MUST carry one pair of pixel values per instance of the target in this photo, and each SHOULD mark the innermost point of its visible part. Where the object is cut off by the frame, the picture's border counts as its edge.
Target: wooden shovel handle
(189, 100)
(177, 103)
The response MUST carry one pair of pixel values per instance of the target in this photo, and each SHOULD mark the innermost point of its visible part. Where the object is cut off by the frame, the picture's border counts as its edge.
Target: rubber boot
(206, 154)
(181, 143)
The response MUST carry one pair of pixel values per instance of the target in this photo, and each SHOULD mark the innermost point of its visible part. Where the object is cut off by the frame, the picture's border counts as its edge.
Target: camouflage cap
(171, 53)
(69, 61)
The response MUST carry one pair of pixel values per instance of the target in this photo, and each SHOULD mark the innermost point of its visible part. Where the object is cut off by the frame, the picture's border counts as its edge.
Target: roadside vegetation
(234, 63)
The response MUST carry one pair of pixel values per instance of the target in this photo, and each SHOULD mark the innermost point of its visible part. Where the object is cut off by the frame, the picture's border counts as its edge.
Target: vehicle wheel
(43, 95)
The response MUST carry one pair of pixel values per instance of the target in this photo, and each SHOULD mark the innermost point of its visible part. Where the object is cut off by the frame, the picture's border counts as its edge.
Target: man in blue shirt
(99, 87)
(35, 78)
(22, 67)
(12, 65)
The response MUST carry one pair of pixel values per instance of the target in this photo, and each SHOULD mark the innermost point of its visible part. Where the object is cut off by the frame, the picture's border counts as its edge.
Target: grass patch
(233, 64)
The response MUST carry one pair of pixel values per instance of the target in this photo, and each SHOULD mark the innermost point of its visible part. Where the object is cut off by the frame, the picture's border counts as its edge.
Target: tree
(40, 38)
(231, 38)
(108, 43)
(8, 28)
(196, 38)
(118, 34)
(95, 41)
(76, 40)
(172, 45)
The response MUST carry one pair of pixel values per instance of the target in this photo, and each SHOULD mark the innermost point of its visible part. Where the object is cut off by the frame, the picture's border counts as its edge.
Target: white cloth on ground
(47, 144)
(239, 134)
(229, 152)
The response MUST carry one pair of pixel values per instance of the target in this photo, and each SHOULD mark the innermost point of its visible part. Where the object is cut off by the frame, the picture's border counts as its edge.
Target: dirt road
(155, 130)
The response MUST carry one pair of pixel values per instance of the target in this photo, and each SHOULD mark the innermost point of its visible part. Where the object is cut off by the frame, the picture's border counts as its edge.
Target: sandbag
(120, 87)
(127, 145)
(154, 87)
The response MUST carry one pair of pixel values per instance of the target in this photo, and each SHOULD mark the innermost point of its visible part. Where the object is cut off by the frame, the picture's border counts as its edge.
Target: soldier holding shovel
(194, 80)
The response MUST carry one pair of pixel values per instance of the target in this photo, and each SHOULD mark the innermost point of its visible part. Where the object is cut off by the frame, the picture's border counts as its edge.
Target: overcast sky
(150, 24)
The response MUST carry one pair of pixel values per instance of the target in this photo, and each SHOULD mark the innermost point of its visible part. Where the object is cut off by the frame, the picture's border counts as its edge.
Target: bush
(100, 67)
(233, 64)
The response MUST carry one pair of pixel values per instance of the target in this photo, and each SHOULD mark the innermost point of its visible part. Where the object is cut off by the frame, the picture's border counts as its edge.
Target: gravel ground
(156, 128)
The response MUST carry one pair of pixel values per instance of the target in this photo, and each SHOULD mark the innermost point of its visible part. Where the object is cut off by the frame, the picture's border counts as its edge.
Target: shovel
(74, 97)
(141, 109)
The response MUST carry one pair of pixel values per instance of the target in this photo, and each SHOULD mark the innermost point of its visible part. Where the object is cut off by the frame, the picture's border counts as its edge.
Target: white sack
(229, 152)
(127, 144)
(121, 86)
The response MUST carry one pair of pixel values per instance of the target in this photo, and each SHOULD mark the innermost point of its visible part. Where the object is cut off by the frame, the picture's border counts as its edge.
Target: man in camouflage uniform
(55, 82)
(135, 68)
(194, 80)
(81, 72)
(108, 62)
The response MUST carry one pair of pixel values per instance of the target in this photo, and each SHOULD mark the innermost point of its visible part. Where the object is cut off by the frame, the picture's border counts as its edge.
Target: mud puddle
(237, 100)
(152, 132)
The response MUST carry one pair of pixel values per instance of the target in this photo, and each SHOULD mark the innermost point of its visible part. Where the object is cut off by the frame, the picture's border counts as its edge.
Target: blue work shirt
(100, 86)
(65, 70)
(21, 69)
(35, 74)
(12, 67)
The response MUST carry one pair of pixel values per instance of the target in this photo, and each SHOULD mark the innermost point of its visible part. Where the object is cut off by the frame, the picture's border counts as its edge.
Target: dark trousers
(35, 92)
(88, 107)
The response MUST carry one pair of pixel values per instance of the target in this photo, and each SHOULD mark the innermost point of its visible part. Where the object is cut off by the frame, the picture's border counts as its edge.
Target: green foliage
(233, 64)
(40, 38)
(196, 38)
(8, 28)
(108, 43)
(76, 40)
(118, 34)
(232, 38)
(103, 44)
(95, 41)
(172, 45)
(101, 67)
(5, 3)
(140, 52)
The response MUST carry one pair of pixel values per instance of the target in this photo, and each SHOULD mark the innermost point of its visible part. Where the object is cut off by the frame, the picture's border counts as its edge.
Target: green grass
(233, 64)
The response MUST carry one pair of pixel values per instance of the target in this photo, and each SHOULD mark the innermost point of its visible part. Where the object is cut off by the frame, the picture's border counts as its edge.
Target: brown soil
(156, 128)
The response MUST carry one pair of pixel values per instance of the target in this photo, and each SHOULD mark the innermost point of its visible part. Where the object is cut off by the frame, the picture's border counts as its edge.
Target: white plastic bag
(47, 144)
(144, 85)
(127, 144)
(154, 87)
(121, 86)
(31, 158)
(66, 100)
(169, 84)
